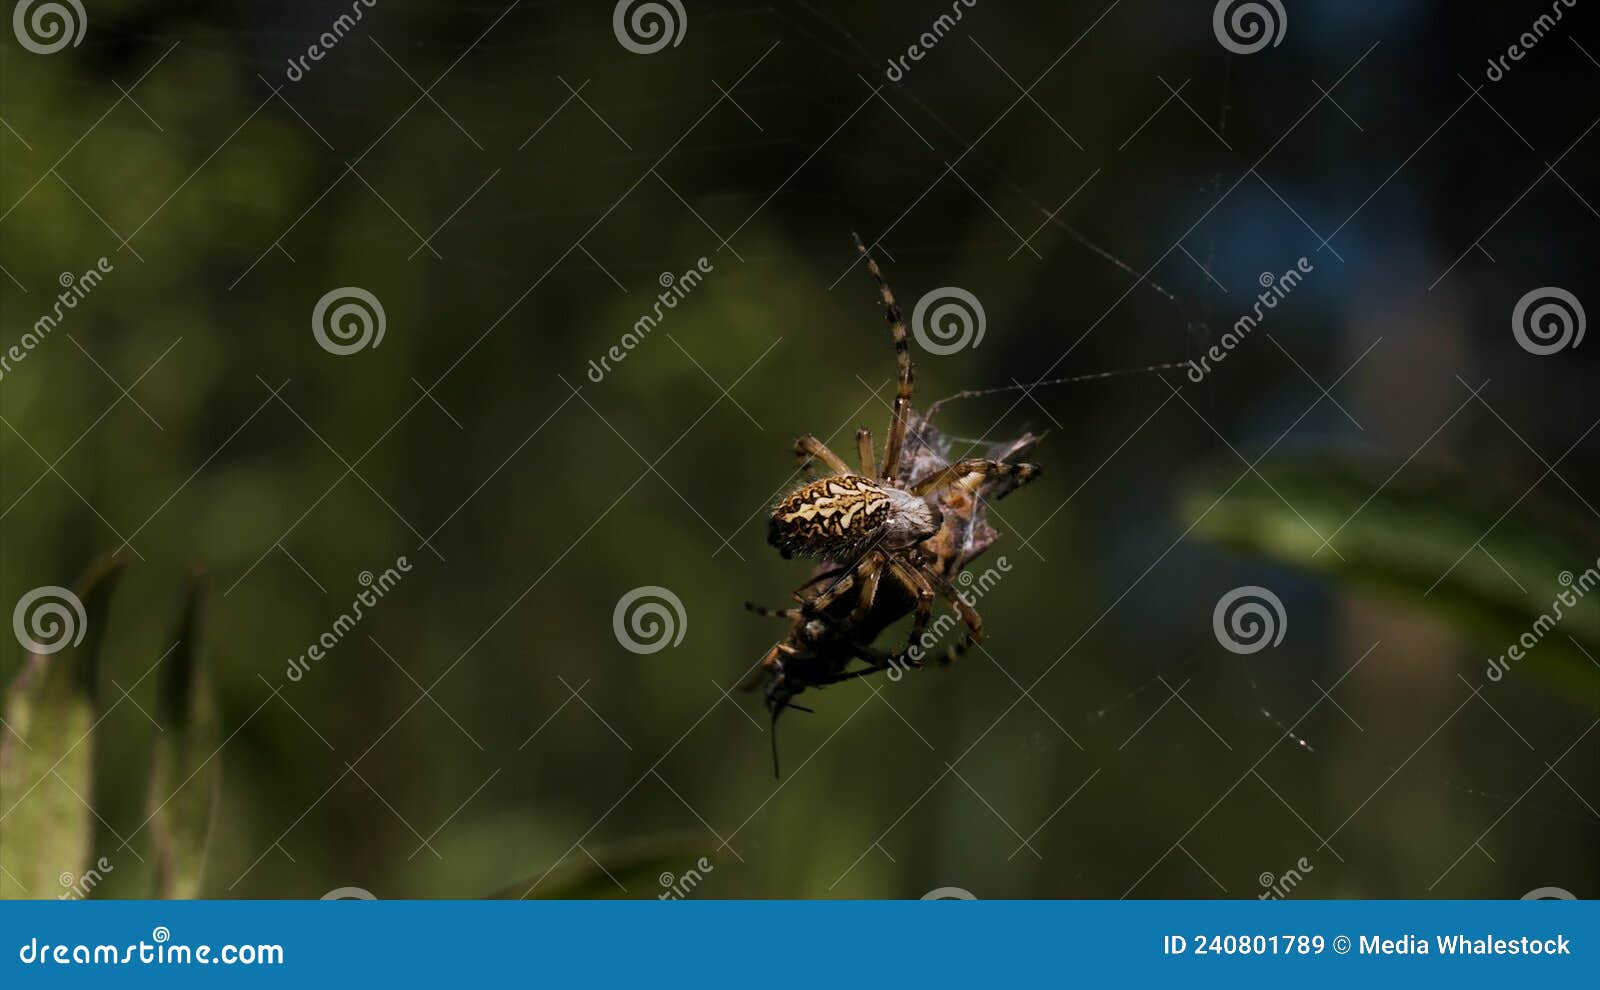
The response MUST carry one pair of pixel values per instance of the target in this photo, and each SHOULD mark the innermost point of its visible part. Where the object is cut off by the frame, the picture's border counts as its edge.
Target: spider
(890, 535)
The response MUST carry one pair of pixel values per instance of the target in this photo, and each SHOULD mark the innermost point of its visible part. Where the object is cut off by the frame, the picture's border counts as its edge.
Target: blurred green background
(510, 183)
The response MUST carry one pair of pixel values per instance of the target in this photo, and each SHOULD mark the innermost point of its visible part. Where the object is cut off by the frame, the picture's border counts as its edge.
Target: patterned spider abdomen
(835, 517)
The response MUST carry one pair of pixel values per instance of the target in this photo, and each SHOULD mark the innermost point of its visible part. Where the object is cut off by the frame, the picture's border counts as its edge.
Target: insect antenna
(973, 393)
(776, 774)
(776, 711)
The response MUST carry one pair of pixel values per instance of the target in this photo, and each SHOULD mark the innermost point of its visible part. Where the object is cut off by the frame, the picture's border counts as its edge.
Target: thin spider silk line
(972, 393)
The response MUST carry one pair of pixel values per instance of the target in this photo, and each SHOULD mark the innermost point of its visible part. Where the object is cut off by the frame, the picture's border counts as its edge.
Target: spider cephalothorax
(890, 536)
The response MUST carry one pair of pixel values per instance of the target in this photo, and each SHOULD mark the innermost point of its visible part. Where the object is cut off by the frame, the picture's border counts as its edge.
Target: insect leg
(863, 672)
(779, 652)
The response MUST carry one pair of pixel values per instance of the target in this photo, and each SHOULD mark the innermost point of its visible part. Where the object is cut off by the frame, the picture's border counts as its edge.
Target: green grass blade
(184, 779)
(47, 755)
(1439, 544)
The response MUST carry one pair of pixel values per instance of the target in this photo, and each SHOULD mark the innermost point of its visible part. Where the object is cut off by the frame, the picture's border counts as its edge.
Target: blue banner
(762, 944)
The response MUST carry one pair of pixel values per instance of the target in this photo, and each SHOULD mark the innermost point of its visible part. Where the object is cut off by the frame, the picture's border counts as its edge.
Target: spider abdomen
(829, 516)
(833, 517)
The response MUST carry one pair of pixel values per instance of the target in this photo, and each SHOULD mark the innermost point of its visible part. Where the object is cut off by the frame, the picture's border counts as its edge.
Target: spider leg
(846, 579)
(808, 448)
(869, 573)
(775, 613)
(914, 581)
(985, 469)
(826, 575)
(828, 596)
(869, 463)
(904, 371)
(968, 614)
